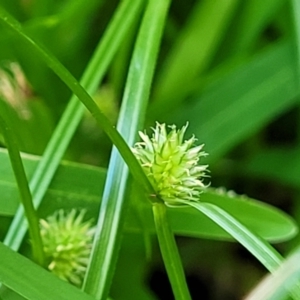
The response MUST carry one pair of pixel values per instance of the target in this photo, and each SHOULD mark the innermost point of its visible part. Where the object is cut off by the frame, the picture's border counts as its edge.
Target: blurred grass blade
(194, 48)
(24, 191)
(111, 216)
(282, 283)
(83, 96)
(287, 173)
(60, 140)
(264, 87)
(169, 252)
(252, 19)
(262, 250)
(296, 14)
(32, 281)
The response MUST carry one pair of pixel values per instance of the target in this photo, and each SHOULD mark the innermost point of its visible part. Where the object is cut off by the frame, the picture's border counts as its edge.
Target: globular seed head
(172, 164)
(67, 241)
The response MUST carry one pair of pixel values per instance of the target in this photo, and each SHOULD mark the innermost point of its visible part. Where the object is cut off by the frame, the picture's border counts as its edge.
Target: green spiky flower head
(172, 164)
(67, 244)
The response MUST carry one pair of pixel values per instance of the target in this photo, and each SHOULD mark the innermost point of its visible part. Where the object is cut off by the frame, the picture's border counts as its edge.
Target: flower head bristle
(172, 164)
(67, 244)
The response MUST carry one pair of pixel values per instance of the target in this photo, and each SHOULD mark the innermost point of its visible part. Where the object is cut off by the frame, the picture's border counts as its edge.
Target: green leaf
(113, 206)
(78, 185)
(282, 283)
(266, 220)
(32, 281)
(74, 111)
(222, 115)
(69, 187)
(24, 191)
(194, 48)
(252, 19)
(285, 164)
(296, 15)
(82, 95)
(263, 251)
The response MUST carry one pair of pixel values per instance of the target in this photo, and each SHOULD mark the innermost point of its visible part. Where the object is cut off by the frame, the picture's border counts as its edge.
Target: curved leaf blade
(78, 185)
(263, 251)
(32, 281)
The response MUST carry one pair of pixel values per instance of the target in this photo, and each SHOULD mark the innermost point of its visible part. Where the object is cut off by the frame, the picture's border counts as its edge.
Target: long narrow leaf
(282, 283)
(24, 191)
(32, 281)
(264, 87)
(194, 48)
(82, 95)
(60, 140)
(296, 14)
(252, 20)
(79, 185)
(111, 217)
(261, 249)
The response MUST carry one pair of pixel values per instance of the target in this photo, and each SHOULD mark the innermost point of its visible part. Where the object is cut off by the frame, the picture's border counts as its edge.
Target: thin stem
(26, 197)
(170, 253)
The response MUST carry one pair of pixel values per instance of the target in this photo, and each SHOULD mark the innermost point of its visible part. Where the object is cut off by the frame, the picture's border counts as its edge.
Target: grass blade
(282, 283)
(107, 238)
(296, 14)
(262, 250)
(64, 131)
(273, 88)
(194, 49)
(82, 95)
(26, 197)
(32, 281)
(79, 186)
(252, 19)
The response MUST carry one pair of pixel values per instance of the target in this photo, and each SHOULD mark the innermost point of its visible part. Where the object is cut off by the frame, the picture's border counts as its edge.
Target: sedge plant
(170, 170)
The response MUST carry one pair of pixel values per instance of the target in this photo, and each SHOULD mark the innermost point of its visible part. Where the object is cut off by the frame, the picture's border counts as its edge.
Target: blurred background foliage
(229, 68)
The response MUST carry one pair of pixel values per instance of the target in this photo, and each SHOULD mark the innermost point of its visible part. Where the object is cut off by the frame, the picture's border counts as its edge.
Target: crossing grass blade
(65, 129)
(135, 99)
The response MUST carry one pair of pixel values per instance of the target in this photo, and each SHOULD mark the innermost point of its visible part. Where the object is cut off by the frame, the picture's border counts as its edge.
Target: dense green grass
(229, 69)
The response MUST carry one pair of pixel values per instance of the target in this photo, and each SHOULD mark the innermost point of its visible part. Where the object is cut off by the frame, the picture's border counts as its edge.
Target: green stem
(170, 253)
(26, 197)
